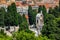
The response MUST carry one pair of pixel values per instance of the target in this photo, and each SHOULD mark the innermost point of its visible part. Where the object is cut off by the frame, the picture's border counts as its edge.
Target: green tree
(22, 35)
(59, 5)
(30, 15)
(44, 10)
(34, 16)
(3, 36)
(8, 18)
(39, 9)
(55, 11)
(58, 22)
(14, 13)
(11, 17)
(50, 10)
(56, 35)
(20, 19)
(23, 25)
(49, 25)
(44, 13)
(2, 13)
(41, 37)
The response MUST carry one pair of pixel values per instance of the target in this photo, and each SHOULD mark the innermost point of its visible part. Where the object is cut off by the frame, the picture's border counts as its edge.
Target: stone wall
(11, 28)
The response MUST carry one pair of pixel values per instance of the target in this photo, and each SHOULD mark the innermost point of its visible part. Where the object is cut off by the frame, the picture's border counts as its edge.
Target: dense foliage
(22, 35)
(51, 27)
(32, 15)
(3, 36)
(2, 12)
(23, 25)
(11, 17)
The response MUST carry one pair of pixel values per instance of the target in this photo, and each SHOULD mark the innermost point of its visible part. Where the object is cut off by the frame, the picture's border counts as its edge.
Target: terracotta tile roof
(18, 3)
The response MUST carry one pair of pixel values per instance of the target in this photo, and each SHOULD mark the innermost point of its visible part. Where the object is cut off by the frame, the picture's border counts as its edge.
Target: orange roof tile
(19, 3)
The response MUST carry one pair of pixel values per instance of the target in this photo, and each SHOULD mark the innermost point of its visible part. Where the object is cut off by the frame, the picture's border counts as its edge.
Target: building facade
(22, 5)
(48, 3)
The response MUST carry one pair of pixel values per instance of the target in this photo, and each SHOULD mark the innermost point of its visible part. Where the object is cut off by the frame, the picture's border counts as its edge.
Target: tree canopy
(22, 35)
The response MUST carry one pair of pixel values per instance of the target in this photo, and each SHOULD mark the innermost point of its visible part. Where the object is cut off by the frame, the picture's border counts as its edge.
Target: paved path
(35, 31)
(8, 33)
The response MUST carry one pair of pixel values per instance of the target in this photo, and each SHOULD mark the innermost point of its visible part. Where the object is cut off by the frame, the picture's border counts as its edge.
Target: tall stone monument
(39, 22)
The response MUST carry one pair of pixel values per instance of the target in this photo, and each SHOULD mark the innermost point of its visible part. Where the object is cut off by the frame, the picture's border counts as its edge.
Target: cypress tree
(2, 12)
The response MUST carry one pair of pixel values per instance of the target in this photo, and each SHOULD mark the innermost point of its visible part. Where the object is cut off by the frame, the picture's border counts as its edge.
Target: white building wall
(4, 6)
(22, 10)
